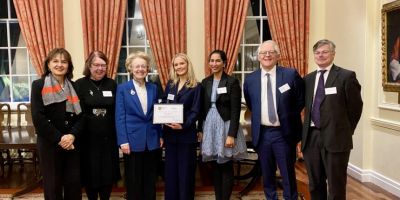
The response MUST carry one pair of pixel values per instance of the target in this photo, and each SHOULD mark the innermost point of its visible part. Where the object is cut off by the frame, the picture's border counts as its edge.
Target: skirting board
(375, 178)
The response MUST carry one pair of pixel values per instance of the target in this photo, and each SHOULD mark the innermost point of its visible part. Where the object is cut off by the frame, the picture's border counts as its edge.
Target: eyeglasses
(139, 66)
(321, 52)
(99, 66)
(265, 53)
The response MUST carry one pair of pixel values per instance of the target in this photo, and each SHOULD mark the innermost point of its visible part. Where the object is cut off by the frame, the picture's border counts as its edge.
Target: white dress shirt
(264, 100)
(142, 94)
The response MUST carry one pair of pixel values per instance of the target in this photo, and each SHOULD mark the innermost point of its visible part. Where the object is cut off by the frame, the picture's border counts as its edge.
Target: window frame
(12, 74)
(127, 46)
(263, 20)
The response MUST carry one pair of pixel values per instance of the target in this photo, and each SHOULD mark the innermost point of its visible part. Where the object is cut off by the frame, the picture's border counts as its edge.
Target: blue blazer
(289, 103)
(191, 100)
(133, 125)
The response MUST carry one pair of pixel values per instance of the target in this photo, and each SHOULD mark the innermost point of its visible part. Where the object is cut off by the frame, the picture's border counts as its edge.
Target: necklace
(93, 83)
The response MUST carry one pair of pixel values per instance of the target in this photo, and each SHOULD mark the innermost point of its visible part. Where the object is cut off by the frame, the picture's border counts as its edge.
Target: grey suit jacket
(340, 111)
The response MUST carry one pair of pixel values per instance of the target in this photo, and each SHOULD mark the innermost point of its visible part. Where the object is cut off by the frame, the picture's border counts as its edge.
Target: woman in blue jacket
(137, 137)
(181, 139)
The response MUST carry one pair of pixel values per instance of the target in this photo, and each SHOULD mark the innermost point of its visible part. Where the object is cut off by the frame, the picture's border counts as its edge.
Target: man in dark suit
(275, 96)
(333, 109)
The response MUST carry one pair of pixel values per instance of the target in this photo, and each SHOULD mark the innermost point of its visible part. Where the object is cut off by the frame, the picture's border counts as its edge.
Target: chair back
(5, 115)
(24, 114)
(246, 122)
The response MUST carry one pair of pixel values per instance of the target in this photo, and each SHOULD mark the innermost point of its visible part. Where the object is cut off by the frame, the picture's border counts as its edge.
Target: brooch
(99, 111)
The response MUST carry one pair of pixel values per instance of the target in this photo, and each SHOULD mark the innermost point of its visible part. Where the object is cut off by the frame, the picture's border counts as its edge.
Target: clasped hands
(67, 142)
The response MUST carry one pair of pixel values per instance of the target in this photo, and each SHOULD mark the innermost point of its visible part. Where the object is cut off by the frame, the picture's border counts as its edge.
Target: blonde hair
(192, 81)
(133, 56)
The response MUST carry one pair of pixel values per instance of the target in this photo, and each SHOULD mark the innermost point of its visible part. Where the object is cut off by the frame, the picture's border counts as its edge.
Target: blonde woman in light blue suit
(137, 137)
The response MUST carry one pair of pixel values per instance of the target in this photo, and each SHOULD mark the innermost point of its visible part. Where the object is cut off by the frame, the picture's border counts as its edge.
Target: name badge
(331, 90)
(107, 94)
(284, 88)
(221, 90)
(171, 97)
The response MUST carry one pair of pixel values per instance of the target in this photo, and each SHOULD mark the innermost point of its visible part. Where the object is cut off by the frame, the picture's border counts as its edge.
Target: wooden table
(23, 137)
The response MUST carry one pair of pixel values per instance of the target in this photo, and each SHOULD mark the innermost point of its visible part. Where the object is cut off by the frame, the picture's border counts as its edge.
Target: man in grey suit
(332, 111)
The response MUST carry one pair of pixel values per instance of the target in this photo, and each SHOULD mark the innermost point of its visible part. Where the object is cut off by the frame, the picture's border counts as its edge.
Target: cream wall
(195, 35)
(355, 27)
(74, 35)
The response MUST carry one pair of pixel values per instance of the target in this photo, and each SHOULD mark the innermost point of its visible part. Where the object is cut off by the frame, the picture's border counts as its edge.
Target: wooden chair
(26, 115)
(255, 170)
(5, 122)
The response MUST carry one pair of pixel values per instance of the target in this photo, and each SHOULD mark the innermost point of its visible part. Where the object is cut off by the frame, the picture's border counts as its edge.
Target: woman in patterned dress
(222, 138)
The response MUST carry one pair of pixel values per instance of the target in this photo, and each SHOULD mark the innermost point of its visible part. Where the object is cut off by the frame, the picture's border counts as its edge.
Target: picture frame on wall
(391, 46)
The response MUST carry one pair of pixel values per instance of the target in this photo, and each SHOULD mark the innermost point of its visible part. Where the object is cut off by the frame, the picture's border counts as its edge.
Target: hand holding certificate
(168, 113)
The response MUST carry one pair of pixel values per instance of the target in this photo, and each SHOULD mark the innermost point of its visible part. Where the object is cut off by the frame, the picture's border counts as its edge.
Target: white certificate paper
(168, 113)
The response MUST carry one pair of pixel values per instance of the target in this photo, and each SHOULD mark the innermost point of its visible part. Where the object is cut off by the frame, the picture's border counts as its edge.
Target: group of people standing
(332, 103)
(74, 122)
(82, 125)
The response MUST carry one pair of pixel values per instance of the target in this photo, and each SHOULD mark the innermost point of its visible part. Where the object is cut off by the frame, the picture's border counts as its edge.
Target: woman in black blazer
(180, 140)
(222, 140)
(56, 115)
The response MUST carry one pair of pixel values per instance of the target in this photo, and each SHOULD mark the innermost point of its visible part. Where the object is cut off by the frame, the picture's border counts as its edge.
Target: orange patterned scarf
(52, 92)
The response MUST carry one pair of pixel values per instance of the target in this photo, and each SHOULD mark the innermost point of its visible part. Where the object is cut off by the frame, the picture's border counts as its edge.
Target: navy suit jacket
(133, 125)
(289, 103)
(191, 100)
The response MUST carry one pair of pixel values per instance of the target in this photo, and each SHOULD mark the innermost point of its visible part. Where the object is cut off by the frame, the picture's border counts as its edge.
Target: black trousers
(324, 166)
(223, 180)
(60, 170)
(103, 192)
(141, 175)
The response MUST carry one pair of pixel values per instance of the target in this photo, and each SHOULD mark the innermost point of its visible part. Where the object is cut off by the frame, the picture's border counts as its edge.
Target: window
(134, 39)
(256, 31)
(16, 70)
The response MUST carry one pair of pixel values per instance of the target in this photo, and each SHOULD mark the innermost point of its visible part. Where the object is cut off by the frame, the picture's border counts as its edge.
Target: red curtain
(165, 23)
(103, 25)
(42, 26)
(289, 25)
(224, 22)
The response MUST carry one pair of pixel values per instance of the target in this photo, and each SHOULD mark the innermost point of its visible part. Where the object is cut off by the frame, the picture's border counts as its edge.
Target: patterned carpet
(117, 196)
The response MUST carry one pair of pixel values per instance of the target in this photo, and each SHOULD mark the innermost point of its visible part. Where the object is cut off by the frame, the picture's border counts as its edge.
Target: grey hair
(274, 44)
(323, 42)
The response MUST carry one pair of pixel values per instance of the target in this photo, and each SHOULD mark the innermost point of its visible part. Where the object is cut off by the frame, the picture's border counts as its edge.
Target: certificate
(168, 113)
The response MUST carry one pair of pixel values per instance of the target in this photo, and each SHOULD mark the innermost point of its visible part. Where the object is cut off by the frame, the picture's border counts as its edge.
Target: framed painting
(391, 46)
